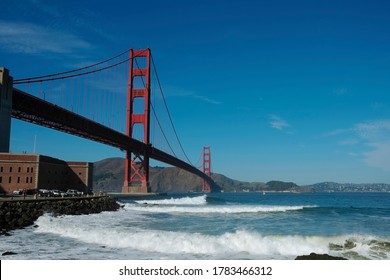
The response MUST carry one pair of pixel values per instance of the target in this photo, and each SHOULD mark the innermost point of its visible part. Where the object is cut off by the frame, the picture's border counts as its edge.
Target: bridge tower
(137, 162)
(206, 168)
(5, 109)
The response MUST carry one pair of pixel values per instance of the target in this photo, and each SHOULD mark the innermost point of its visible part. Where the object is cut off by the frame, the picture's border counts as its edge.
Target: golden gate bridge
(93, 101)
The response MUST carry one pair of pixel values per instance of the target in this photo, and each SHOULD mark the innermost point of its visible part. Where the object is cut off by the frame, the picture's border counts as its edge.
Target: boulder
(8, 253)
(314, 256)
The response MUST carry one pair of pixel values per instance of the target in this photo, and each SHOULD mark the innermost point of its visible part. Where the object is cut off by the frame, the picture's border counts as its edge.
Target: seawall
(16, 214)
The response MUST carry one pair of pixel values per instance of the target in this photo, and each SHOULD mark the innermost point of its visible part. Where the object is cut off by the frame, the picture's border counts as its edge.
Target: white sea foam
(197, 200)
(216, 209)
(240, 242)
(179, 244)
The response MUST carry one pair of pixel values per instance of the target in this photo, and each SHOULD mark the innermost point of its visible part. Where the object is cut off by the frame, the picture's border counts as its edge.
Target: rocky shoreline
(17, 214)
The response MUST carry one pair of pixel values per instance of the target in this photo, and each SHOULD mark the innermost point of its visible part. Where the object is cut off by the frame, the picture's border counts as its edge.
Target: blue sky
(286, 90)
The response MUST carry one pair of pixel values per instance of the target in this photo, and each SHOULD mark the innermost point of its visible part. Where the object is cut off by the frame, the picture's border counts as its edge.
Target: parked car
(17, 192)
(31, 191)
(44, 193)
(56, 193)
(72, 192)
(64, 194)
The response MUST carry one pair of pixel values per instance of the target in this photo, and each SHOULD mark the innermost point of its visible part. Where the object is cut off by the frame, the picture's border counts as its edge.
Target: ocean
(221, 226)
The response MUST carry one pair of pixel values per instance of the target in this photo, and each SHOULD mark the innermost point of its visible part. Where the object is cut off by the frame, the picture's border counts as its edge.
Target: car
(44, 193)
(56, 193)
(31, 191)
(72, 192)
(17, 192)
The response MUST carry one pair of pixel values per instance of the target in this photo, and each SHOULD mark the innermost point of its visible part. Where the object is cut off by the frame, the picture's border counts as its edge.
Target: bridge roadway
(31, 109)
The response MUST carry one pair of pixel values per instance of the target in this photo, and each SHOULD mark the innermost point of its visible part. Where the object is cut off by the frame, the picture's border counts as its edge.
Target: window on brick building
(10, 169)
(1, 169)
(1, 179)
(26, 180)
(28, 169)
(32, 168)
(18, 180)
(10, 180)
(30, 179)
(19, 169)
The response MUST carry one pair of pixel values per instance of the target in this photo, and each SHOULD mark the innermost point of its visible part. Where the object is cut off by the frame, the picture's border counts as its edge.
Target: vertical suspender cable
(169, 115)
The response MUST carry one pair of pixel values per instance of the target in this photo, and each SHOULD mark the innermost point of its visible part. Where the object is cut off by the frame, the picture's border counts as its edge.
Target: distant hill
(349, 187)
(108, 176)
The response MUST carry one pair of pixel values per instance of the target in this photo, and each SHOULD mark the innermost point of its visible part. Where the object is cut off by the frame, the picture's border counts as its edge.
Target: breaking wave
(200, 205)
(239, 244)
(197, 200)
(216, 209)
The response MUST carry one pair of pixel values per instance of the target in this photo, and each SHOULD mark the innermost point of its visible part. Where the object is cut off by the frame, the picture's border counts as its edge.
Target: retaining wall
(16, 214)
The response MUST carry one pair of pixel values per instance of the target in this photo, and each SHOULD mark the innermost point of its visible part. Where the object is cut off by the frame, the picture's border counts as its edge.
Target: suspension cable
(154, 112)
(70, 71)
(159, 124)
(70, 76)
(169, 115)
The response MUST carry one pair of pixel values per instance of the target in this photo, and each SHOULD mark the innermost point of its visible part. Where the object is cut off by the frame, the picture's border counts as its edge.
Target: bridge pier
(6, 89)
(136, 174)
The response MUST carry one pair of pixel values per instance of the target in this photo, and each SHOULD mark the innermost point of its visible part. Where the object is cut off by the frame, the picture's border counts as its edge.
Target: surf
(240, 243)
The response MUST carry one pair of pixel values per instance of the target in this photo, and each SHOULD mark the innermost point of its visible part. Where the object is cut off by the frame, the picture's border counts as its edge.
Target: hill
(349, 187)
(108, 177)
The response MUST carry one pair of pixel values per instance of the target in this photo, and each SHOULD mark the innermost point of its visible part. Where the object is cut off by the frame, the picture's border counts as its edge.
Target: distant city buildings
(33, 171)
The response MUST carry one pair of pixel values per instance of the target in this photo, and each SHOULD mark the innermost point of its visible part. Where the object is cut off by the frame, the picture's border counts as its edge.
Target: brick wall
(27, 171)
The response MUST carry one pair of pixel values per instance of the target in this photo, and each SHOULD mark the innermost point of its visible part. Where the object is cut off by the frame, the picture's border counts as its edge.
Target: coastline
(78, 223)
(17, 213)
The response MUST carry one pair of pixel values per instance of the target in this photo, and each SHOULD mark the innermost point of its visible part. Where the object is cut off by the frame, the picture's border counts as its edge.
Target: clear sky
(286, 90)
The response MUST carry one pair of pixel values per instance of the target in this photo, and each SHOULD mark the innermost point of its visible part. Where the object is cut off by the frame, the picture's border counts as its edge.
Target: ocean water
(215, 226)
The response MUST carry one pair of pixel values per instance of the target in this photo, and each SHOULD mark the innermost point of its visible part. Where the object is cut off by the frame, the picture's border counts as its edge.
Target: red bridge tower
(206, 168)
(136, 163)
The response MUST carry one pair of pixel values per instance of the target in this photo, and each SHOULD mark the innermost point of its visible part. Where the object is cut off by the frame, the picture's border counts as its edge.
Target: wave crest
(229, 245)
(216, 209)
(197, 200)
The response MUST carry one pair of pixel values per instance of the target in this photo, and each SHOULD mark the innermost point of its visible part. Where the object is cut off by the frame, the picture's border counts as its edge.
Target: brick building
(32, 171)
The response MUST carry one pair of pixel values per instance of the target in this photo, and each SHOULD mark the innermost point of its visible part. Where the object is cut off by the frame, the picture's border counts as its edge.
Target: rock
(349, 244)
(8, 253)
(314, 256)
(17, 215)
(4, 233)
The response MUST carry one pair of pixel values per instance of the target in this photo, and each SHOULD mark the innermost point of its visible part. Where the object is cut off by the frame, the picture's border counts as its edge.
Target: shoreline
(27, 210)
(18, 213)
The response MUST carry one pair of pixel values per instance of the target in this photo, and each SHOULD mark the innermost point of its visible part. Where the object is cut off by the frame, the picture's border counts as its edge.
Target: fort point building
(34, 171)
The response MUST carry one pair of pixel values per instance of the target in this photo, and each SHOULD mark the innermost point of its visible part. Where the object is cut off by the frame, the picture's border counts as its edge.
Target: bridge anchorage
(60, 111)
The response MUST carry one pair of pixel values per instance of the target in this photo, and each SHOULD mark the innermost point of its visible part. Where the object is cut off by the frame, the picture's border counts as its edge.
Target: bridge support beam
(6, 89)
(137, 162)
